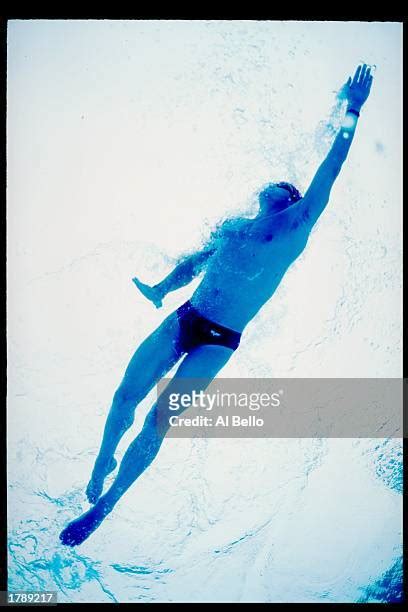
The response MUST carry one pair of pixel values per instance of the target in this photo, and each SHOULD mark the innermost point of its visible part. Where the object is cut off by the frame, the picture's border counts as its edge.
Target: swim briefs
(196, 330)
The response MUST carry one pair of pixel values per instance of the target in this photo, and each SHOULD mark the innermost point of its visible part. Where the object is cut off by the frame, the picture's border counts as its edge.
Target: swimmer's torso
(246, 269)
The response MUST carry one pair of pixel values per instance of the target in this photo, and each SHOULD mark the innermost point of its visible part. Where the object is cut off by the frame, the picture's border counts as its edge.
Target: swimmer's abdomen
(231, 299)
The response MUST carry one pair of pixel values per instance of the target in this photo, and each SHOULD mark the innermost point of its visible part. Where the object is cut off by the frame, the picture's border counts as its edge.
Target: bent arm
(317, 195)
(184, 272)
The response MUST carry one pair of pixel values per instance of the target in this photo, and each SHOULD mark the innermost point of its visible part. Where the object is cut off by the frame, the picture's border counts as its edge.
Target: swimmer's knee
(124, 408)
(125, 395)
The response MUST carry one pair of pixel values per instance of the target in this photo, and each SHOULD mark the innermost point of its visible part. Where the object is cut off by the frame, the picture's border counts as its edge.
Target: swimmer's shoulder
(229, 228)
(238, 224)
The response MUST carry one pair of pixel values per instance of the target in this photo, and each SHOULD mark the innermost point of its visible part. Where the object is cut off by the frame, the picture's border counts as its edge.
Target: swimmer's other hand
(151, 293)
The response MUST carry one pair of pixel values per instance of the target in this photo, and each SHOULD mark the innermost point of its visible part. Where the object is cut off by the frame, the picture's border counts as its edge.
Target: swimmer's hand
(357, 89)
(151, 293)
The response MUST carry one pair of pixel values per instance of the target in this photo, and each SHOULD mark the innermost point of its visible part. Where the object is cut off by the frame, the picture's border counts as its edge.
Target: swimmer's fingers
(368, 80)
(137, 282)
(141, 286)
(151, 293)
(367, 74)
(362, 74)
(365, 84)
(356, 75)
(360, 86)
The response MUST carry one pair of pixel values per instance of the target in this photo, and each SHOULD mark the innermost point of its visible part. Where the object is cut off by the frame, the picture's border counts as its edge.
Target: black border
(29, 15)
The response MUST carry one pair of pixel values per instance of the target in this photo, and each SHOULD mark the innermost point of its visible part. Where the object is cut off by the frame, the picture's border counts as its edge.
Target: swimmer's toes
(76, 532)
(66, 537)
(93, 491)
(70, 536)
(81, 528)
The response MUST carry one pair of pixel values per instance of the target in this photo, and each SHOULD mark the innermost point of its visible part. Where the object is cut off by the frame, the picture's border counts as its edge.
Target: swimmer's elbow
(323, 180)
(201, 259)
(317, 196)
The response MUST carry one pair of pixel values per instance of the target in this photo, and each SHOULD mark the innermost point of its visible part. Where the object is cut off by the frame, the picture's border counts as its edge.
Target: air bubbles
(348, 122)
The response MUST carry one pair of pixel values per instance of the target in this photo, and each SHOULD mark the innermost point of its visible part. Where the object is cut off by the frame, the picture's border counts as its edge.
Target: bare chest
(262, 254)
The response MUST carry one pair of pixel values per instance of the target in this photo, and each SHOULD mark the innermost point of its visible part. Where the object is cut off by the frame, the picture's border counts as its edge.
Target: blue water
(211, 524)
(144, 135)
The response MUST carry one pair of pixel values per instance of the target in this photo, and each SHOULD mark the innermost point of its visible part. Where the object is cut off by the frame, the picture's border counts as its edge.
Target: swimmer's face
(278, 196)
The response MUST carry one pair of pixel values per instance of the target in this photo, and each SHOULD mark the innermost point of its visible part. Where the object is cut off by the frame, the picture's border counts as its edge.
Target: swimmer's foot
(81, 528)
(95, 485)
(151, 293)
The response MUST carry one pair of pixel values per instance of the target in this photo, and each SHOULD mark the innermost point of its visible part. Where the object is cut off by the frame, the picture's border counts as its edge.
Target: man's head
(275, 197)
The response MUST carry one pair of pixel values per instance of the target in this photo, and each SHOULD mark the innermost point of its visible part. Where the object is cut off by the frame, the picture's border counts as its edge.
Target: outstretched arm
(356, 91)
(182, 274)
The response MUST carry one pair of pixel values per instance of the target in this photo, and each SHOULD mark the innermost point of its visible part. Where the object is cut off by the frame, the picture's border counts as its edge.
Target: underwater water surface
(127, 143)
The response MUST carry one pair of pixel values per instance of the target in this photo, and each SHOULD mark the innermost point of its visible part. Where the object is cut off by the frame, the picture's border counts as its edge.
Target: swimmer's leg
(151, 361)
(203, 362)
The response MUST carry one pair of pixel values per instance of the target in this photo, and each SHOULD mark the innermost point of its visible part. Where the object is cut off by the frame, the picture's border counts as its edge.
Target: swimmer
(242, 268)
